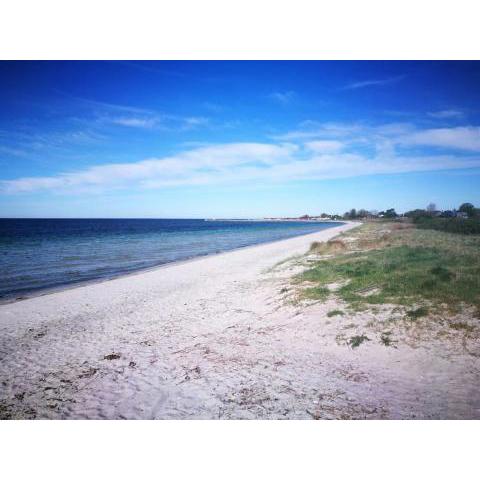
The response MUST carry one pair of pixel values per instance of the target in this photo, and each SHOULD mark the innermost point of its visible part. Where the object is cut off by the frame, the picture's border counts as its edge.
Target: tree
(467, 208)
(418, 213)
(351, 215)
(391, 213)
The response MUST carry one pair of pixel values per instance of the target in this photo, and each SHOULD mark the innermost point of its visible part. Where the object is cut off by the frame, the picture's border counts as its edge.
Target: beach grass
(396, 264)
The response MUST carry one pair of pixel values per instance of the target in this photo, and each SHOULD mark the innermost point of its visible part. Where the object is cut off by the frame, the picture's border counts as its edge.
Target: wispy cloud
(194, 166)
(25, 143)
(157, 122)
(283, 98)
(196, 121)
(314, 130)
(445, 114)
(460, 138)
(373, 82)
(324, 146)
(464, 138)
(134, 122)
(333, 153)
(136, 117)
(15, 152)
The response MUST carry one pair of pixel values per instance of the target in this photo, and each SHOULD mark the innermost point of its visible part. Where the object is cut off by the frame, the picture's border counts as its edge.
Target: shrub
(469, 226)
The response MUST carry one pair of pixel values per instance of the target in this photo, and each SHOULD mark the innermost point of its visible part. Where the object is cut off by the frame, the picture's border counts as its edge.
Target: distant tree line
(465, 219)
(465, 210)
(353, 214)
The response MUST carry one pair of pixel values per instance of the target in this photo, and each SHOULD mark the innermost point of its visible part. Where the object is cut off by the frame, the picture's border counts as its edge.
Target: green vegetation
(333, 313)
(317, 293)
(357, 340)
(465, 220)
(467, 226)
(417, 313)
(395, 263)
(430, 217)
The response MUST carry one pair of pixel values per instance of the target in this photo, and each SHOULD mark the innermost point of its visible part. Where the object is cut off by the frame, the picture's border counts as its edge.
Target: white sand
(209, 338)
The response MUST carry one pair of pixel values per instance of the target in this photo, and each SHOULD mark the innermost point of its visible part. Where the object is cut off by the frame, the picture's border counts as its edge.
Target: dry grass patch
(328, 248)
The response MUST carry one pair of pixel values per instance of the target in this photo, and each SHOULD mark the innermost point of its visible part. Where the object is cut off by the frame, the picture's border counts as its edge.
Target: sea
(38, 255)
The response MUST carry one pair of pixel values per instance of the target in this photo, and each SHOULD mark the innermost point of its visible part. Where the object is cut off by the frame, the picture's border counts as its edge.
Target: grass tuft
(357, 340)
(317, 293)
(417, 313)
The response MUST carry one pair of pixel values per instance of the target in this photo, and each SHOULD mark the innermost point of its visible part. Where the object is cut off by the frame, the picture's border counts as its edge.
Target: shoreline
(231, 336)
(123, 348)
(41, 292)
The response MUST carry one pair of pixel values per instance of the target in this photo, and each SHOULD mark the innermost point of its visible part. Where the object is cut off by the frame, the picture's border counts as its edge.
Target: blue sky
(236, 139)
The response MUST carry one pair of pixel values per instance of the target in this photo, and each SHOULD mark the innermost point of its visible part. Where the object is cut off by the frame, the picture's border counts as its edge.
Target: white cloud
(322, 158)
(311, 130)
(16, 152)
(324, 146)
(159, 122)
(135, 122)
(210, 162)
(357, 132)
(283, 98)
(445, 114)
(137, 117)
(196, 121)
(461, 138)
(373, 82)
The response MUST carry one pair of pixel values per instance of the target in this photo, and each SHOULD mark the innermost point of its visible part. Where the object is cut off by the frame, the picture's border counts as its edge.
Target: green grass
(334, 313)
(357, 340)
(415, 266)
(470, 226)
(317, 293)
(417, 313)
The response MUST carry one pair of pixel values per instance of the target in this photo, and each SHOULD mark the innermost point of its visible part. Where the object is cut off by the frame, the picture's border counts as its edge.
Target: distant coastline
(305, 218)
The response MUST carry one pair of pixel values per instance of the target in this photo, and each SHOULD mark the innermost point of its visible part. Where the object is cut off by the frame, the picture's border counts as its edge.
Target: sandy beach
(215, 337)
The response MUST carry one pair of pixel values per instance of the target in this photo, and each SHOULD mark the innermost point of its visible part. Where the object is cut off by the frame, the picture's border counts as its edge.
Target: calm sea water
(38, 254)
